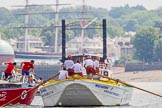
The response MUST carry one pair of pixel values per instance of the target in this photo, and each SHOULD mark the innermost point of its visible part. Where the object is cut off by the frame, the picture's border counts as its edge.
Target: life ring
(106, 73)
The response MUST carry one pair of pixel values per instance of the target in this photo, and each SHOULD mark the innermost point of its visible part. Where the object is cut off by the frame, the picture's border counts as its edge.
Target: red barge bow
(11, 94)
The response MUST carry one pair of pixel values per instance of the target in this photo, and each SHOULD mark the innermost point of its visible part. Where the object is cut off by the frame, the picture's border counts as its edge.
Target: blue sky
(149, 4)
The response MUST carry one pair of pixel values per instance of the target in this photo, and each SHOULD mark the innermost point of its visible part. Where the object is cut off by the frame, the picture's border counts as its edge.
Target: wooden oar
(35, 87)
(117, 80)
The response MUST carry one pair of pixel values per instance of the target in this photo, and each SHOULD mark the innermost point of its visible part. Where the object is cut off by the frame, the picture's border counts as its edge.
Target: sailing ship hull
(85, 93)
(10, 95)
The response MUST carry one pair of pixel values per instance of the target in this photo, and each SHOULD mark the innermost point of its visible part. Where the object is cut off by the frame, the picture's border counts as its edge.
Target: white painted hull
(84, 93)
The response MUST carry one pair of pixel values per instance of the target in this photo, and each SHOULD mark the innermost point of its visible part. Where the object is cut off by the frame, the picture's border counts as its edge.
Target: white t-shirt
(68, 64)
(77, 68)
(63, 74)
(88, 62)
(96, 64)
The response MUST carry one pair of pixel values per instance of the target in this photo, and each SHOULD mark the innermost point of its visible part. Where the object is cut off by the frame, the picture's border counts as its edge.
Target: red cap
(69, 57)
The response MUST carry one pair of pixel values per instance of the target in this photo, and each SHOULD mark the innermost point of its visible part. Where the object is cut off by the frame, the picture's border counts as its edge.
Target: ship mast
(26, 24)
(56, 24)
(26, 27)
(83, 22)
(84, 25)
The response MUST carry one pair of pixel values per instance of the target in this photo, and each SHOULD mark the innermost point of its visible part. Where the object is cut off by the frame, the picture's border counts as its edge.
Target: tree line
(122, 19)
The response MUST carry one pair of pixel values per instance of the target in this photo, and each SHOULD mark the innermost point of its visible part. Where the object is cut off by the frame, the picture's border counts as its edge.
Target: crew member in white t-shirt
(89, 66)
(78, 68)
(68, 64)
(97, 64)
(63, 74)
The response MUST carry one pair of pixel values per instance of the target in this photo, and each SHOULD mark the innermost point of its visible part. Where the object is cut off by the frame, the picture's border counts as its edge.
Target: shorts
(70, 72)
(90, 69)
(25, 73)
(7, 75)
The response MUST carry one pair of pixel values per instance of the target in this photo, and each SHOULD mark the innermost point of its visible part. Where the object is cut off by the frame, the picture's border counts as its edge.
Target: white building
(93, 46)
(126, 48)
(34, 44)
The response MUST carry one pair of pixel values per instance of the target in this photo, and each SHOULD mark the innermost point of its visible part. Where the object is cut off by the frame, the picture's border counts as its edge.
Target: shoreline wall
(142, 67)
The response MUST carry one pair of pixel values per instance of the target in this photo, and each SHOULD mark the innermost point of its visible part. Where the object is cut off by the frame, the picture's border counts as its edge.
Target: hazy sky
(149, 4)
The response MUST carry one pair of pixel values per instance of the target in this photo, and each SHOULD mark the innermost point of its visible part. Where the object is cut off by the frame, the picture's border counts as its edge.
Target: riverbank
(140, 76)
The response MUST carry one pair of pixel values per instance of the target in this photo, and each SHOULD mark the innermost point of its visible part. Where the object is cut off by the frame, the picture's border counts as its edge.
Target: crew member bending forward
(26, 66)
(9, 70)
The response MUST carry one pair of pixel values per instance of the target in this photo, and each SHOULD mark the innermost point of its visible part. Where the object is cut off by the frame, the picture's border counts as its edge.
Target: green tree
(115, 31)
(124, 59)
(158, 50)
(6, 16)
(117, 12)
(48, 37)
(131, 25)
(144, 43)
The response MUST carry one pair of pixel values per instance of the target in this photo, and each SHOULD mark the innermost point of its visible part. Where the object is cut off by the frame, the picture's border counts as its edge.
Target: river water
(140, 99)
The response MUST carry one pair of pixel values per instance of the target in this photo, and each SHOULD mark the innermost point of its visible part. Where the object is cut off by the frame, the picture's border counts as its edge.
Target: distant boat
(14, 93)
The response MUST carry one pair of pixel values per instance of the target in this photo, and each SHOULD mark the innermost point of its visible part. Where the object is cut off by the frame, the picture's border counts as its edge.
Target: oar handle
(123, 82)
(53, 76)
(141, 89)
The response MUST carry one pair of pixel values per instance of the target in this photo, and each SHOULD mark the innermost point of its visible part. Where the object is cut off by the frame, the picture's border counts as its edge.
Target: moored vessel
(15, 93)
